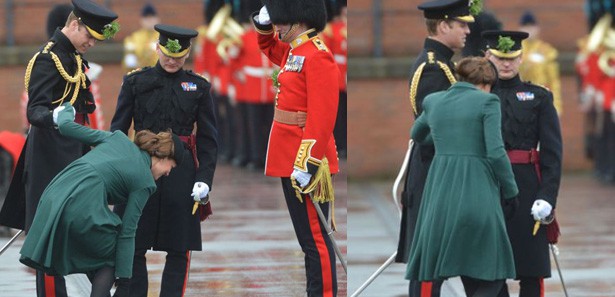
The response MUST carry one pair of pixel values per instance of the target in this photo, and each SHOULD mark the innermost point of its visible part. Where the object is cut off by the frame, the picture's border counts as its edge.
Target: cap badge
(173, 46)
(111, 29)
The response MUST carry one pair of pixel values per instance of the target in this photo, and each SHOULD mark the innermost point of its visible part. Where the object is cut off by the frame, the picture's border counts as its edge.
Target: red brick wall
(562, 22)
(30, 16)
(379, 121)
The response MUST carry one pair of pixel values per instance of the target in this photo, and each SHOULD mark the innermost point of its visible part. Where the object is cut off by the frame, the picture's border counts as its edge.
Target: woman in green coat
(74, 231)
(461, 229)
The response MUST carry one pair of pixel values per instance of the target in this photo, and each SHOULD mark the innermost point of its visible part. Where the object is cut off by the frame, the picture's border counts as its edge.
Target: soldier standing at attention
(140, 46)
(55, 75)
(447, 28)
(532, 139)
(301, 148)
(540, 64)
(157, 99)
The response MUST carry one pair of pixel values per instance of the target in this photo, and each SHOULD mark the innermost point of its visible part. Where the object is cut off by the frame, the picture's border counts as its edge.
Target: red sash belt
(204, 210)
(191, 142)
(525, 157)
(80, 118)
(532, 157)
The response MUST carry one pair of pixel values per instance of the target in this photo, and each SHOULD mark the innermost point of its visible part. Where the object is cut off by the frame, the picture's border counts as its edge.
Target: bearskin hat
(310, 12)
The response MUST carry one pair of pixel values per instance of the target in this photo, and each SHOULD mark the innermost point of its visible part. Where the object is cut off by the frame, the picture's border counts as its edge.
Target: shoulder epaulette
(414, 83)
(431, 57)
(190, 72)
(136, 71)
(320, 45)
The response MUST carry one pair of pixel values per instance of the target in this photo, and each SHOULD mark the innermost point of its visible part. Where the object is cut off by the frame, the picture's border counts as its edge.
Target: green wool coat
(74, 230)
(461, 228)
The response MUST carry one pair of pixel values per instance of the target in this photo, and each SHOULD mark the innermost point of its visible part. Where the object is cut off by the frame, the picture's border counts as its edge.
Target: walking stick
(394, 192)
(8, 244)
(554, 252)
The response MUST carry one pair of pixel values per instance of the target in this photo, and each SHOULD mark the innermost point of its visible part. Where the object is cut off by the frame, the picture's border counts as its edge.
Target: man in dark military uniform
(532, 138)
(160, 98)
(447, 26)
(56, 74)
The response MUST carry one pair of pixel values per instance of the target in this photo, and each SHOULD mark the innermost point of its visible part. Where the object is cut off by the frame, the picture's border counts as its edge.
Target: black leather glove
(122, 287)
(509, 207)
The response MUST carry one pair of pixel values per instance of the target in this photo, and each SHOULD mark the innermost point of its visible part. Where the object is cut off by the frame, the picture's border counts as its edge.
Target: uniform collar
(303, 38)
(62, 42)
(439, 48)
(165, 73)
(515, 81)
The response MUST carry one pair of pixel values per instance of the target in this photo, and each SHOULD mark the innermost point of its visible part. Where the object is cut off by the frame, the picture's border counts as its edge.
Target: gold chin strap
(78, 79)
(290, 32)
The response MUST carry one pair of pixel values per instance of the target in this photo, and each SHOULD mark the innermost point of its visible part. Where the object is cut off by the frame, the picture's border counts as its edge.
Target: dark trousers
(528, 287)
(174, 275)
(225, 117)
(341, 123)
(260, 117)
(316, 245)
(50, 286)
(420, 289)
(242, 141)
(481, 288)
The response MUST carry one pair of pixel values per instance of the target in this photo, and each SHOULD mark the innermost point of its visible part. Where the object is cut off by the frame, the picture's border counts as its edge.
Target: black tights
(481, 288)
(102, 281)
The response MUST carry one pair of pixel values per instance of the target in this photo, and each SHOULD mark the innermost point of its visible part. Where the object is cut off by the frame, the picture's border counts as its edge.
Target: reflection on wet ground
(249, 246)
(586, 212)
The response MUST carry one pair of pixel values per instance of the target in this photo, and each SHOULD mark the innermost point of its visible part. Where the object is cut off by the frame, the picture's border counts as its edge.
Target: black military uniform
(158, 100)
(56, 74)
(532, 138)
(431, 72)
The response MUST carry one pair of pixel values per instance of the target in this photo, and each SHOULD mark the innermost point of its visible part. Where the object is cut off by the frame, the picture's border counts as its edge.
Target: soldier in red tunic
(301, 147)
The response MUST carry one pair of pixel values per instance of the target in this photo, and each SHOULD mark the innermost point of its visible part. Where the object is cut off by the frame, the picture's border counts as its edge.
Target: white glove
(263, 16)
(541, 209)
(199, 191)
(303, 178)
(56, 111)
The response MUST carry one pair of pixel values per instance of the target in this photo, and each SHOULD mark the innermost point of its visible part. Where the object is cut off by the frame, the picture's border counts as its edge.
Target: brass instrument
(224, 30)
(599, 32)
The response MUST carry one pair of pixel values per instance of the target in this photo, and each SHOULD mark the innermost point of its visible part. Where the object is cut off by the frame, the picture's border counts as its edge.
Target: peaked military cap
(527, 18)
(448, 9)
(148, 10)
(97, 19)
(174, 41)
(310, 12)
(504, 44)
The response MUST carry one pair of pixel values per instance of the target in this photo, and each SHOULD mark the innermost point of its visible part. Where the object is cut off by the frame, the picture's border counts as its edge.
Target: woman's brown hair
(476, 70)
(156, 145)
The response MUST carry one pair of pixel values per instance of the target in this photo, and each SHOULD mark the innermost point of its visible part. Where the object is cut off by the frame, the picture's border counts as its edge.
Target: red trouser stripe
(321, 246)
(50, 286)
(188, 254)
(426, 289)
(541, 281)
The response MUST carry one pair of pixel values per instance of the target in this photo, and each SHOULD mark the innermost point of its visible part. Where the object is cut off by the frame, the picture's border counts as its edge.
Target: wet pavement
(249, 246)
(586, 213)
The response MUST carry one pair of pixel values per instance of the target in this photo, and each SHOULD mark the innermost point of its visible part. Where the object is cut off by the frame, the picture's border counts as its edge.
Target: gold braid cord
(320, 188)
(78, 79)
(414, 84)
